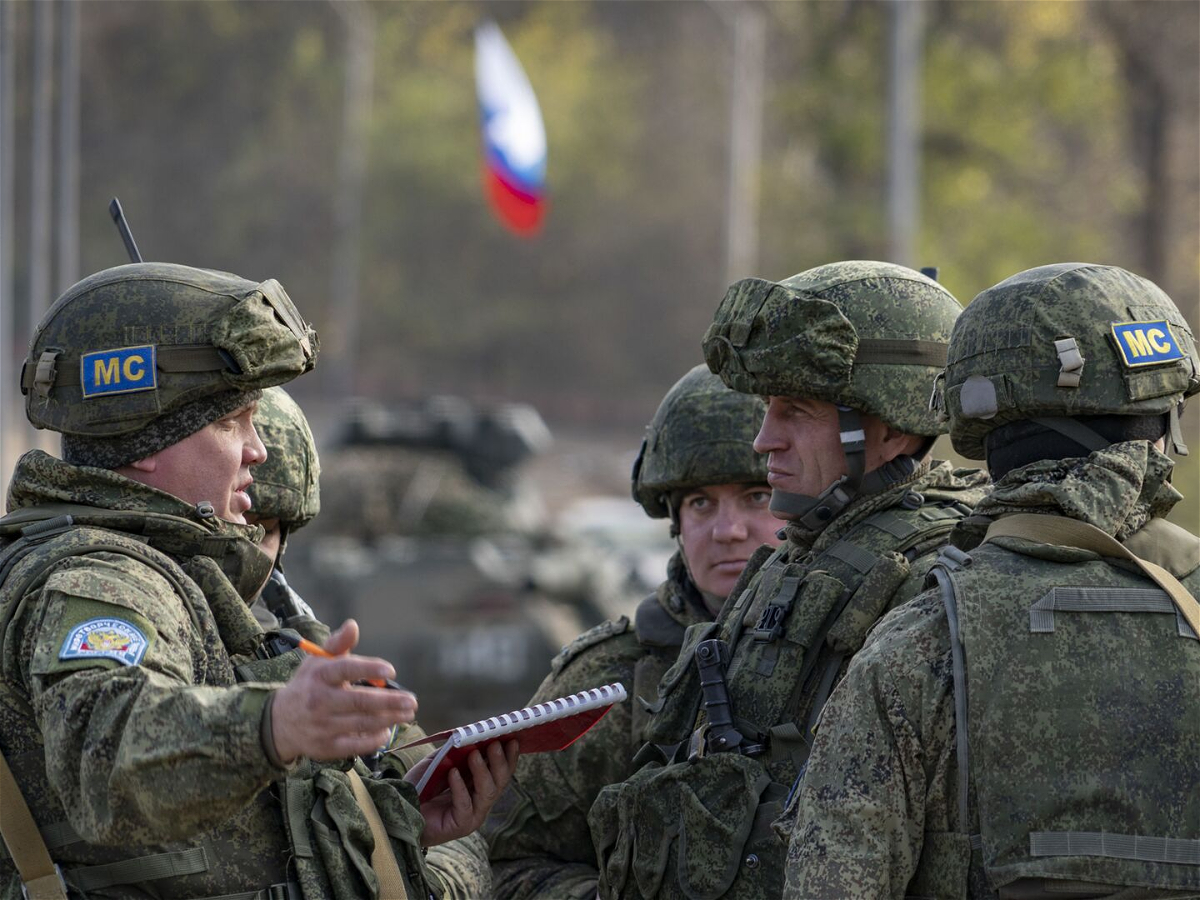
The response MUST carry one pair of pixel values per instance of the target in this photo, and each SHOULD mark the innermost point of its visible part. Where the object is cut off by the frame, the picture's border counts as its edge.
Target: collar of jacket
(679, 596)
(162, 520)
(804, 541)
(1118, 489)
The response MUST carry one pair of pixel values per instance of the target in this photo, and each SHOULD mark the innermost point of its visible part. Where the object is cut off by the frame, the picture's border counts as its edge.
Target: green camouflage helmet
(702, 434)
(130, 344)
(870, 336)
(1062, 341)
(287, 486)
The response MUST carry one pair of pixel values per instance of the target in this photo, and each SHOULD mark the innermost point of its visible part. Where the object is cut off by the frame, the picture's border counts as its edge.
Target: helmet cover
(1065, 340)
(287, 485)
(866, 335)
(702, 434)
(130, 344)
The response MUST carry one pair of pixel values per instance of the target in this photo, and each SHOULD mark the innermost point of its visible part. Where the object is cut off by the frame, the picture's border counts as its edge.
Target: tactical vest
(702, 830)
(1083, 720)
(661, 635)
(317, 804)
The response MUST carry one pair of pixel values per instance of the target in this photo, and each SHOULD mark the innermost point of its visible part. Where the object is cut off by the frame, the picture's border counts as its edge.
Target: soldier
(697, 466)
(1027, 727)
(286, 496)
(844, 354)
(149, 766)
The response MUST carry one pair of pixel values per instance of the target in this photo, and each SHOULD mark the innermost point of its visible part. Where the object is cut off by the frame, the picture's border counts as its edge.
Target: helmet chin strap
(814, 513)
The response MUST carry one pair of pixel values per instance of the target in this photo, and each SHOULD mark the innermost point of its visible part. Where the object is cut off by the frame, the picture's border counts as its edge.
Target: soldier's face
(804, 449)
(720, 526)
(212, 464)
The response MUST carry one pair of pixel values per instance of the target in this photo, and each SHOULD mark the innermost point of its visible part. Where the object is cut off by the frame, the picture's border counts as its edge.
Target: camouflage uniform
(287, 487)
(702, 434)
(134, 702)
(1080, 708)
(694, 821)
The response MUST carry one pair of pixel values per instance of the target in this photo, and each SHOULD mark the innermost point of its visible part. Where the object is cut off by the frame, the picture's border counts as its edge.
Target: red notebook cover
(549, 726)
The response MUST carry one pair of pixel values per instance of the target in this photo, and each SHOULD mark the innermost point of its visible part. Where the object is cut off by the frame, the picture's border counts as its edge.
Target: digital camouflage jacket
(122, 631)
(1082, 714)
(538, 833)
(461, 866)
(694, 821)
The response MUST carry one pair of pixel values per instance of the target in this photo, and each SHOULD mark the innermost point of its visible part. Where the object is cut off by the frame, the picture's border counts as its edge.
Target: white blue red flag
(514, 139)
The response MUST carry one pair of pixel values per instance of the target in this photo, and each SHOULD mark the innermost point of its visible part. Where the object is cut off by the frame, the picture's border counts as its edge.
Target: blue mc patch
(1146, 343)
(107, 638)
(120, 371)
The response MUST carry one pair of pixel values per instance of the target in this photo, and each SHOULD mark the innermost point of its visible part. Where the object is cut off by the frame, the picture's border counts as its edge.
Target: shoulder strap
(1067, 532)
(41, 532)
(959, 671)
(1175, 549)
(383, 858)
(40, 877)
(655, 626)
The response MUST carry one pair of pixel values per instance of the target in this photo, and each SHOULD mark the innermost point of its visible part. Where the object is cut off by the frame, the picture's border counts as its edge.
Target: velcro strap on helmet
(50, 372)
(888, 352)
(1071, 362)
(1176, 431)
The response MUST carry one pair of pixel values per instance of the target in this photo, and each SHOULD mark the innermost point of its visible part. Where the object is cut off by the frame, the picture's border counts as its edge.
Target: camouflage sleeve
(462, 868)
(875, 782)
(135, 749)
(538, 835)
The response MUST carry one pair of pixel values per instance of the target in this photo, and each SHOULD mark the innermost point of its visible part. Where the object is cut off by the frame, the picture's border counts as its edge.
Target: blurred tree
(1051, 130)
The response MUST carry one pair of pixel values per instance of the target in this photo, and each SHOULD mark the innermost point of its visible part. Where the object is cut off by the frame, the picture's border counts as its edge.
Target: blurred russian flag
(514, 139)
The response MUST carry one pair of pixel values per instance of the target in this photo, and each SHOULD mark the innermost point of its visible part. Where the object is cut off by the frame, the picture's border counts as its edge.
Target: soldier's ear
(147, 464)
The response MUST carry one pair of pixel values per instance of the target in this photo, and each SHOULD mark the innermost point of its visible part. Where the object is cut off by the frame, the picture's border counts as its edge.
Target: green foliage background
(219, 125)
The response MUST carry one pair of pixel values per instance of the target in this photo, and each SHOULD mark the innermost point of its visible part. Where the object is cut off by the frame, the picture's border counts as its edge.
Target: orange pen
(317, 650)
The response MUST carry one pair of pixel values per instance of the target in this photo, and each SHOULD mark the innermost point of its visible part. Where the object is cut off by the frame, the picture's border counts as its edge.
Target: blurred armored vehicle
(432, 537)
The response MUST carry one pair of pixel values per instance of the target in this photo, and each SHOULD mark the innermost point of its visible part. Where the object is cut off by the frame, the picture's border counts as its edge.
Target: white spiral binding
(549, 711)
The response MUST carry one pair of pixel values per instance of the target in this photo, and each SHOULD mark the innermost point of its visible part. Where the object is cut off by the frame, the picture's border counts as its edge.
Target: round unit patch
(109, 638)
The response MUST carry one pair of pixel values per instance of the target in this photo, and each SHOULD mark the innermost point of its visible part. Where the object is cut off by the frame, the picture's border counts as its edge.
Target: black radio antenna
(118, 216)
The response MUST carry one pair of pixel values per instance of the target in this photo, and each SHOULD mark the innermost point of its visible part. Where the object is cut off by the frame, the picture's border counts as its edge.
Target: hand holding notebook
(548, 726)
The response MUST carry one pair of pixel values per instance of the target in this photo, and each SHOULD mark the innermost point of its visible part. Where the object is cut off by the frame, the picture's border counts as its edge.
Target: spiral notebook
(553, 725)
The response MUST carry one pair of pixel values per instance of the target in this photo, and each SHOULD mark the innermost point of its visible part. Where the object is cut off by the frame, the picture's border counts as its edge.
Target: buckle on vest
(770, 623)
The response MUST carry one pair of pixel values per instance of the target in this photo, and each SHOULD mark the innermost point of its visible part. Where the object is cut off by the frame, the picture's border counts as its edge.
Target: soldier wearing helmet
(287, 496)
(152, 740)
(1027, 726)
(698, 467)
(844, 355)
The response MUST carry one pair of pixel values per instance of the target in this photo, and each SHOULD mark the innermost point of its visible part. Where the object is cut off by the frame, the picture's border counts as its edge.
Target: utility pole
(745, 140)
(903, 130)
(40, 163)
(67, 217)
(746, 24)
(344, 302)
(9, 394)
